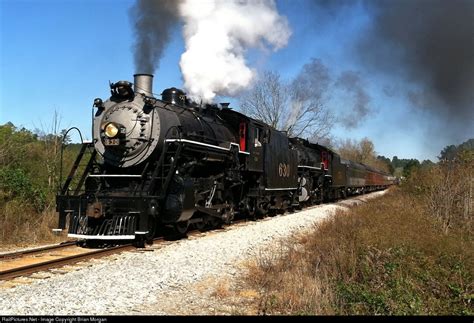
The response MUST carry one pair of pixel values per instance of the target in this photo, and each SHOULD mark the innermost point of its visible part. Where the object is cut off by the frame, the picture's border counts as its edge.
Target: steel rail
(20, 253)
(30, 269)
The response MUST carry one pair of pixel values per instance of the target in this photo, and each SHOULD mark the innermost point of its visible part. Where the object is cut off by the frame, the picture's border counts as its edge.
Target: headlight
(111, 130)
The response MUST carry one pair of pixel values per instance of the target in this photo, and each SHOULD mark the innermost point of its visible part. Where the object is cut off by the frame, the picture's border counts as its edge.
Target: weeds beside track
(386, 257)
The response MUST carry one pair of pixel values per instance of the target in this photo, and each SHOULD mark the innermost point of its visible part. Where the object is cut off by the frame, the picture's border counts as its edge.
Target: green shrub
(15, 184)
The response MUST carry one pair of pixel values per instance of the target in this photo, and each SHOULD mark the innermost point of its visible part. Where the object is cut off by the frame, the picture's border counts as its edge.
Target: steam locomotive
(173, 163)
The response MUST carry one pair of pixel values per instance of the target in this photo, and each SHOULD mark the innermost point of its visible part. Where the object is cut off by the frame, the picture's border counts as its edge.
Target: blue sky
(58, 55)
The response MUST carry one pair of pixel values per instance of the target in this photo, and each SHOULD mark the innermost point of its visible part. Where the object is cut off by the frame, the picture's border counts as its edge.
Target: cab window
(258, 137)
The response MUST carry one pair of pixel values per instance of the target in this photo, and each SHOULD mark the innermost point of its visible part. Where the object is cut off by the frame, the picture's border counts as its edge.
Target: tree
(267, 99)
(395, 162)
(349, 149)
(367, 151)
(452, 151)
(467, 145)
(386, 161)
(448, 152)
(296, 107)
(52, 141)
(14, 144)
(447, 187)
(363, 152)
(427, 163)
(410, 166)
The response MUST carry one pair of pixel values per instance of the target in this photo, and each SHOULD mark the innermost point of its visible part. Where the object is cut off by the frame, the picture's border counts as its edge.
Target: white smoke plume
(217, 35)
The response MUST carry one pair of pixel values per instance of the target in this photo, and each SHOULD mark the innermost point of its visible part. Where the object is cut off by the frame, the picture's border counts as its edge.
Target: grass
(386, 257)
(21, 225)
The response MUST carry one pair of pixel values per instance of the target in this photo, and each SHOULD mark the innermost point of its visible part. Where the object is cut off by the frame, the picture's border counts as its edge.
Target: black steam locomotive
(171, 162)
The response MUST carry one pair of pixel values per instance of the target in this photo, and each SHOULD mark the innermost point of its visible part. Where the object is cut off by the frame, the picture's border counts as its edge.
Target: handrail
(62, 149)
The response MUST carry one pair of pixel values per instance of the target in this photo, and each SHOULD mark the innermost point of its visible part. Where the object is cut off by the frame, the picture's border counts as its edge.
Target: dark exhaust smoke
(424, 49)
(433, 42)
(152, 21)
(352, 83)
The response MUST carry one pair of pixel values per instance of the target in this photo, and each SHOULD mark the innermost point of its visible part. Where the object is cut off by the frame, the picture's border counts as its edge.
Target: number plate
(112, 142)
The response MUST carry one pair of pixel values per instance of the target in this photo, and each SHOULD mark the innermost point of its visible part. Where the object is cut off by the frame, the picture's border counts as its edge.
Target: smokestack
(143, 83)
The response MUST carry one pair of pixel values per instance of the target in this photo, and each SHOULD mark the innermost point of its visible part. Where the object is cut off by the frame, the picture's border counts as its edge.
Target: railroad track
(32, 251)
(27, 262)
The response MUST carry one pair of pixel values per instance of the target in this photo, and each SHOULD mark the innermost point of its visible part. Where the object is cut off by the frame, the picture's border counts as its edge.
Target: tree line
(30, 164)
(299, 106)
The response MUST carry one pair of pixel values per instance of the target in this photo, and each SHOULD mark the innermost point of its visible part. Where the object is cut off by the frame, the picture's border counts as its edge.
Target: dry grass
(286, 281)
(447, 190)
(385, 257)
(221, 290)
(228, 296)
(22, 226)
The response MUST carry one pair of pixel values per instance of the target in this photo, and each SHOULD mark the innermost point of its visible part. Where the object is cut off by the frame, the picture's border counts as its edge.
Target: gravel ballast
(159, 281)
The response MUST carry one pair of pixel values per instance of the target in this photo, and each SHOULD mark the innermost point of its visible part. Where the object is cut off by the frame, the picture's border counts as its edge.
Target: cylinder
(143, 83)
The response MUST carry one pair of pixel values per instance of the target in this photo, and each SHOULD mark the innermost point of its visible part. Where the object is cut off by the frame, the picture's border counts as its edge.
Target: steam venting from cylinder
(143, 83)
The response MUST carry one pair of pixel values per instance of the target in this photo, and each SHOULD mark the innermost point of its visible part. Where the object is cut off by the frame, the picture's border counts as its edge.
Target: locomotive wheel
(139, 242)
(214, 223)
(201, 226)
(344, 194)
(151, 230)
(261, 212)
(252, 215)
(181, 227)
(272, 212)
(247, 210)
(228, 211)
